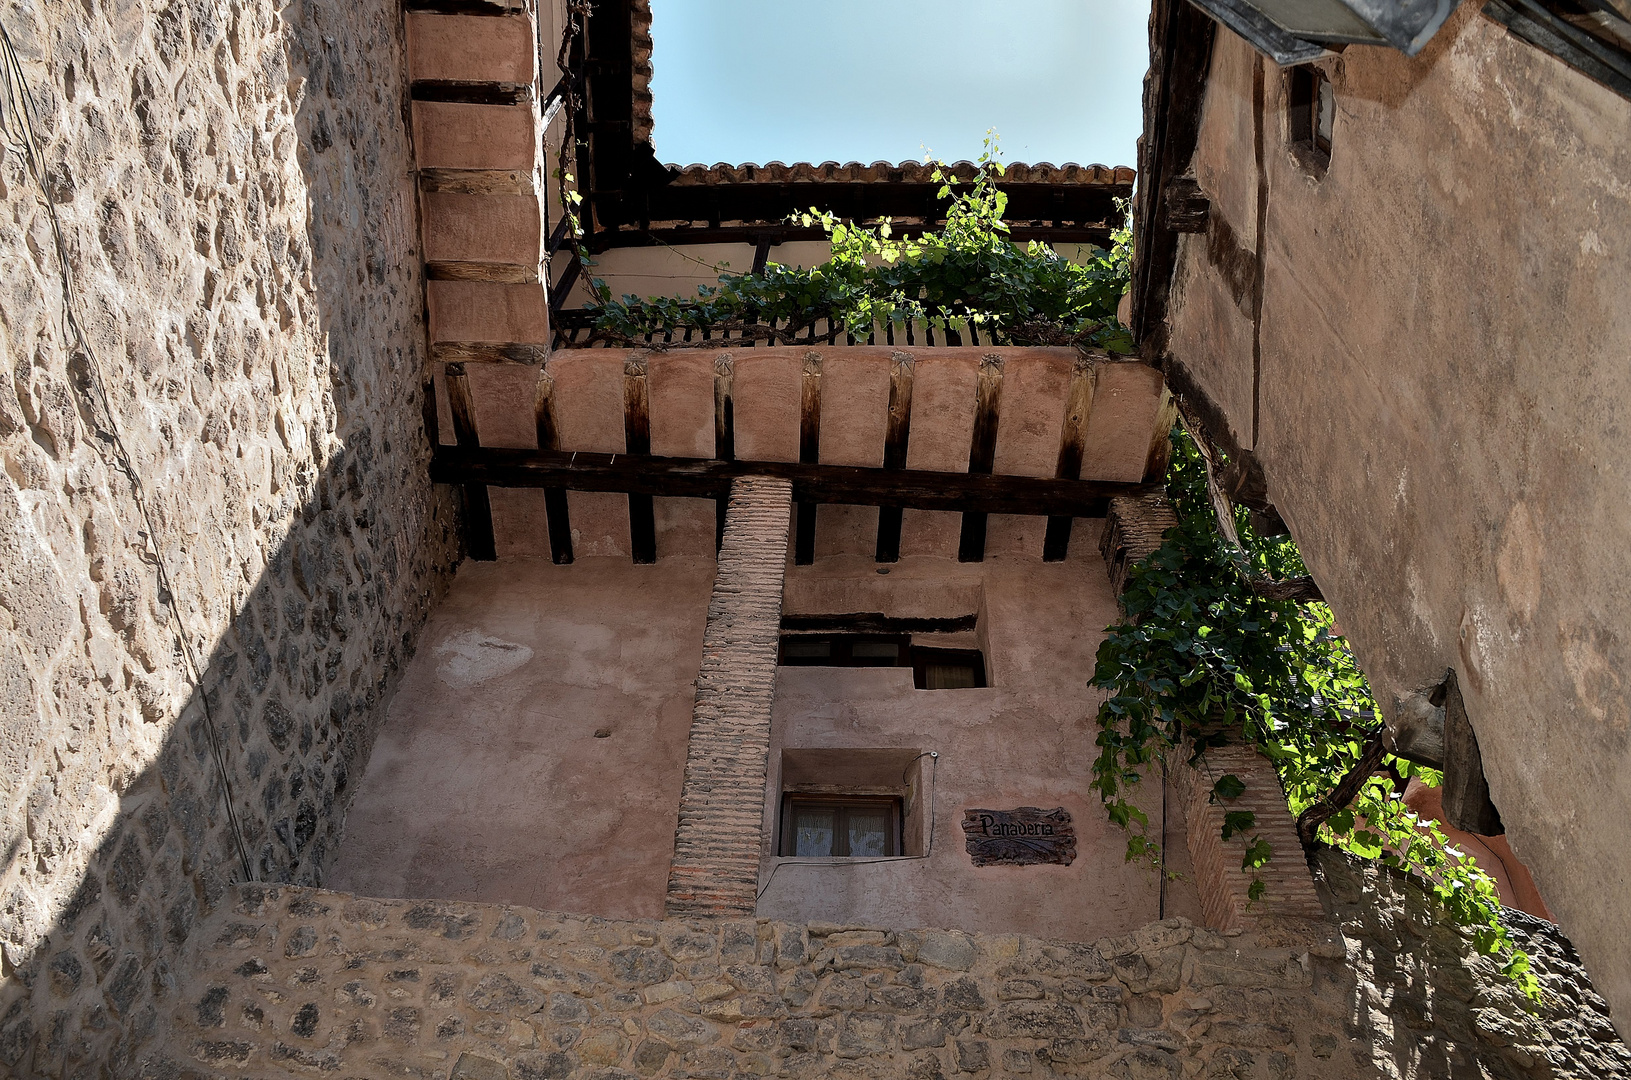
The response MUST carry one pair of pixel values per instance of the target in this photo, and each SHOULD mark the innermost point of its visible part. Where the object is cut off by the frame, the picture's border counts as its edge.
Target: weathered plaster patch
(472, 657)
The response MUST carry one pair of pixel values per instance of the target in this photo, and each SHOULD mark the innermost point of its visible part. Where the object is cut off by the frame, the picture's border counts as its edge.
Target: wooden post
(478, 510)
(982, 453)
(555, 508)
(809, 454)
(1078, 406)
(895, 442)
(637, 434)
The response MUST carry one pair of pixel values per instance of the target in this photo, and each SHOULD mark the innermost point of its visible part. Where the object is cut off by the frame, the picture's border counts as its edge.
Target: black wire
(18, 109)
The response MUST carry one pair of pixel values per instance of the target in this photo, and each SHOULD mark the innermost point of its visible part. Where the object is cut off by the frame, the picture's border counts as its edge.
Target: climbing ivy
(968, 272)
(1204, 658)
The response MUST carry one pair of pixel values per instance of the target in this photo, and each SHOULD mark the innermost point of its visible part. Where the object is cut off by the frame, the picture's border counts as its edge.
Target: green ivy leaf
(1238, 821)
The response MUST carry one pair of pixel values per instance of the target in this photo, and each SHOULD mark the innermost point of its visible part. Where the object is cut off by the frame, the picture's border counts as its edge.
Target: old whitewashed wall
(234, 184)
(1439, 401)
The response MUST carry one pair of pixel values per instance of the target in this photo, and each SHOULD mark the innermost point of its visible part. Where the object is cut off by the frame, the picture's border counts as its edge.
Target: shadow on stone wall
(235, 185)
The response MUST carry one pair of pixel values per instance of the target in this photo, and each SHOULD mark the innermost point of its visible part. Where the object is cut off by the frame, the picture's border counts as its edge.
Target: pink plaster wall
(766, 388)
(1025, 741)
(488, 783)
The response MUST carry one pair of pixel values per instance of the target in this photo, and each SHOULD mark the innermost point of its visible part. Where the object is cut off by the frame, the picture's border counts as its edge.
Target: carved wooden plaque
(1020, 837)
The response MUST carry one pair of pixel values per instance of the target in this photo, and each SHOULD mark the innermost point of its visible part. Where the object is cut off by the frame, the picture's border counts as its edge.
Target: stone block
(471, 48)
(486, 311)
(495, 229)
(458, 135)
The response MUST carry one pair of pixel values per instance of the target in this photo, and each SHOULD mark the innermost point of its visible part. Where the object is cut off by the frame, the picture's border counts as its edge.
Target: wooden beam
(982, 454)
(478, 510)
(637, 436)
(1096, 235)
(896, 438)
(1072, 438)
(875, 622)
(470, 93)
(476, 181)
(702, 478)
(556, 511)
(724, 434)
(809, 454)
(1181, 37)
(467, 270)
(1188, 208)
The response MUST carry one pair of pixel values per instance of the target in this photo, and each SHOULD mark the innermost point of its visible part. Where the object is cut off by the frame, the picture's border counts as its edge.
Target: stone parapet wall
(291, 979)
(285, 980)
(234, 189)
(1429, 1006)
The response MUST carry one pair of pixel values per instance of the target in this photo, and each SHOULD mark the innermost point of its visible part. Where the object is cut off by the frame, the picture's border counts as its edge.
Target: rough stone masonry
(233, 182)
(291, 980)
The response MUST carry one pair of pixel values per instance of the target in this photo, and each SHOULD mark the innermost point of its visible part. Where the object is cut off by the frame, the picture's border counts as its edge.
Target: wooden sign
(1020, 837)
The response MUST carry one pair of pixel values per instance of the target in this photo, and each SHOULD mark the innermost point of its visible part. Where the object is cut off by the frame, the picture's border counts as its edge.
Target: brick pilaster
(1133, 528)
(717, 843)
(1222, 883)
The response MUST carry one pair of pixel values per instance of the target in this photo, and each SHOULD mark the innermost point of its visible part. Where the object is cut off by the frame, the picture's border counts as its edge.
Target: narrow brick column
(717, 843)
(1288, 887)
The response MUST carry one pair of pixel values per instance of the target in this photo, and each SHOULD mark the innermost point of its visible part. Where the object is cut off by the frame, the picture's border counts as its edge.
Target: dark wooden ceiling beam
(704, 478)
(773, 234)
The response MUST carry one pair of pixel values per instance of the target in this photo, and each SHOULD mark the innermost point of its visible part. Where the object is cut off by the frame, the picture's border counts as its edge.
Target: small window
(932, 668)
(1311, 115)
(947, 669)
(845, 650)
(847, 827)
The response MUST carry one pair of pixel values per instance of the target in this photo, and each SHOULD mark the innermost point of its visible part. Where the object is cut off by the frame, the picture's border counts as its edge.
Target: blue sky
(812, 80)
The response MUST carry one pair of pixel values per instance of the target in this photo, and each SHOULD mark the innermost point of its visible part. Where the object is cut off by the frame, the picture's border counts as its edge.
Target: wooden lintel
(489, 352)
(466, 270)
(876, 622)
(477, 181)
(470, 92)
(702, 478)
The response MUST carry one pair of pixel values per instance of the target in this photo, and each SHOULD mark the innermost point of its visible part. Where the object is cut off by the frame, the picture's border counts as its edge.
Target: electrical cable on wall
(928, 849)
(18, 126)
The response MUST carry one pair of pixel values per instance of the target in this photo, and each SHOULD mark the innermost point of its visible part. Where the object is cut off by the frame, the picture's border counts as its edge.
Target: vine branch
(1338, 798)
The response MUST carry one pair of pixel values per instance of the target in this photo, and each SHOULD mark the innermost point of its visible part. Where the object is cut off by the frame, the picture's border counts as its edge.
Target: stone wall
(1428, 1005)
(233, 183)
(288, 979)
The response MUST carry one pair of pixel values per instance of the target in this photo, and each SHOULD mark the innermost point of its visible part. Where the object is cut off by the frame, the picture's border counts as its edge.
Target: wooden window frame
(1304, 85)
(924, 655)
(840, 804)
(843, 646)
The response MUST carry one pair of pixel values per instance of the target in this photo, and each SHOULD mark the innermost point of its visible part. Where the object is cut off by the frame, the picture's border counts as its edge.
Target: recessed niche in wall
(934, 667)
(853, 802)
